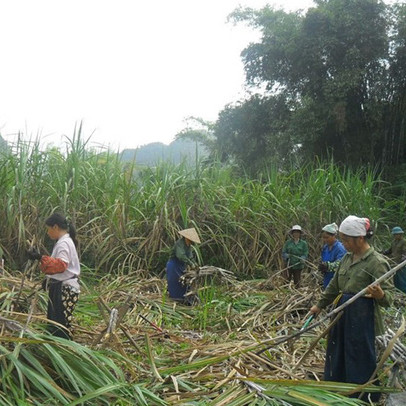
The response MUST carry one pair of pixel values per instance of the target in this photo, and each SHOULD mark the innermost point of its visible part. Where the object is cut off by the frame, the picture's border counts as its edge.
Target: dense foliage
(127, 219)
(335, 86)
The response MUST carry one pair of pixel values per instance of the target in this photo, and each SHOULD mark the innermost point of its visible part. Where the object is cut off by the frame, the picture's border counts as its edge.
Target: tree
(332, 66)
(254, 131)
(393, 140)
(200, 131)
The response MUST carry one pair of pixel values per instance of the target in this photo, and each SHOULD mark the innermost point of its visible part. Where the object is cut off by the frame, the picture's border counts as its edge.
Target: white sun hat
(296, 227)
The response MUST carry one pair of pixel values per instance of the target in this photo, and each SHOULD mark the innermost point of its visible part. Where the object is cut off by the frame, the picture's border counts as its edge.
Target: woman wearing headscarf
(331, 253)
(181, 257)
(397, 252)
(294, 253)
(350, 353)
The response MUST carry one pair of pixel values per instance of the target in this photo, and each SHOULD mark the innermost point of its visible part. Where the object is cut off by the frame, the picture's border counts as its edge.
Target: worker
(181, 257)
(294, 253)
(62, 270)
(397, 252)
(331, 253)
(350, 355)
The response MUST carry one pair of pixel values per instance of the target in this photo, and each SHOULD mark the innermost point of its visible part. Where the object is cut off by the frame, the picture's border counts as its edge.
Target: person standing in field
(62, 270)
(294, 254)
(181, 257)
(350, 355)
(397, 252)
(331, 253)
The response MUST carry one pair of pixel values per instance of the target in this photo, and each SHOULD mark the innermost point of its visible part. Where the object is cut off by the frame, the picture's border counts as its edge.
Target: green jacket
(183, 252)
(295, 253)
(397, 250)
(353, 277)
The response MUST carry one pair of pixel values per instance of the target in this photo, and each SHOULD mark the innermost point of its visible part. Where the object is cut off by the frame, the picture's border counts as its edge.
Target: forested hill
(3, 144)
(176, 152)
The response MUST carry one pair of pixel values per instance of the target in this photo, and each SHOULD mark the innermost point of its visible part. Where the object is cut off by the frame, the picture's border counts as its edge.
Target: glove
(34, 254)
(285, 256)
(323, 267)
(386, 252)
(302, 259)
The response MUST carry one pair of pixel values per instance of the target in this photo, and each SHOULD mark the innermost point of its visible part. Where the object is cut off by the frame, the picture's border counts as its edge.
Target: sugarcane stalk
(314, 343)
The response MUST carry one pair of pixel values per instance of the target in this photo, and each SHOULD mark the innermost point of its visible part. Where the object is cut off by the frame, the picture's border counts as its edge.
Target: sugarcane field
(203, 203)
(235, 326)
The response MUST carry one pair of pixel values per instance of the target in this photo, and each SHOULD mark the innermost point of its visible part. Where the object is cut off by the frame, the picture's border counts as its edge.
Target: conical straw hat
(190, 234)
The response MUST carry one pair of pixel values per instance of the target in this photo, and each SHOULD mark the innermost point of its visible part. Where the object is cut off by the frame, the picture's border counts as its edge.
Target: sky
(131, 71)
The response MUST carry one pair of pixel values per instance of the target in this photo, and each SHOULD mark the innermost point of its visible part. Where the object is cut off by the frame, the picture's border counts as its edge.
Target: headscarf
(354, 226)
(331, 228)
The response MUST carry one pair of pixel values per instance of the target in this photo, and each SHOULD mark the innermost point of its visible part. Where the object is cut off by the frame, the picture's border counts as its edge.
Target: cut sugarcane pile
(223, 275)
(398, 353)
(200, 354)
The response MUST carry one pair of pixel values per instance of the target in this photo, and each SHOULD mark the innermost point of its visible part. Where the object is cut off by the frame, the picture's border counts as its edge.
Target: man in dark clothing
(397, 252)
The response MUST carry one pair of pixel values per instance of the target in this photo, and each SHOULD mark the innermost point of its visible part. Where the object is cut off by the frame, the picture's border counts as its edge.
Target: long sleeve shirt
(295, 253)
(351, 277)
(397, 250)
(332, 255)
(183, 252)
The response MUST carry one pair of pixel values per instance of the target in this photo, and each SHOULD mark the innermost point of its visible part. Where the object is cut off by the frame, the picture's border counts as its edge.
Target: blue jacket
(332, 257)
(334, 254)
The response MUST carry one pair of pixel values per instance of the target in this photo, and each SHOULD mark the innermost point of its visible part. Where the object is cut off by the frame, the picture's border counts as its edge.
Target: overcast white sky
(131, 70)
